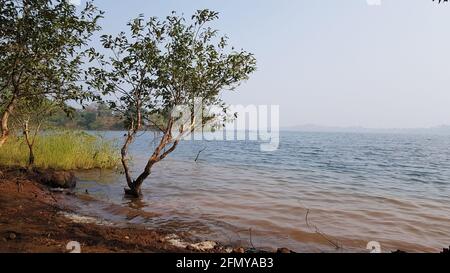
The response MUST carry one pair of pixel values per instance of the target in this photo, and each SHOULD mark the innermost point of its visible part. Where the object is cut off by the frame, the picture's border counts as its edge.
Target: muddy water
(317, 192)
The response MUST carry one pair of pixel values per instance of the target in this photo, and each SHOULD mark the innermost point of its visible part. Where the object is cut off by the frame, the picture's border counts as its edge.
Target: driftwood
(328, 238)
(198, 154)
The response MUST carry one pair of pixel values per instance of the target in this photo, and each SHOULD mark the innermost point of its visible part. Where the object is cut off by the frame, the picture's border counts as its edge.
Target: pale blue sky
(331, 62)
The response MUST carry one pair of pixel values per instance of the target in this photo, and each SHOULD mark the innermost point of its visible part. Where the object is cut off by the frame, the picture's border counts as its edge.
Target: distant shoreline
(438, 130)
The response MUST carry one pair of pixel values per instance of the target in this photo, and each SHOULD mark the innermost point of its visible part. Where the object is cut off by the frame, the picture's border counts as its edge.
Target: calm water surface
(318, 187)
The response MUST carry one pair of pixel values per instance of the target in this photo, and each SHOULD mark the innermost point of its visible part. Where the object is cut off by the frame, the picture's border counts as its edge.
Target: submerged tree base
(132, 193)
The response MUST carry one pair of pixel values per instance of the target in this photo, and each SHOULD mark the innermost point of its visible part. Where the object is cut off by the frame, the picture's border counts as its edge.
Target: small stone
(283, 250)
(204, 246)
(190, 248)
(239, 250)
(12, 236)
(127, 237)
(228, 249)
(4, 239)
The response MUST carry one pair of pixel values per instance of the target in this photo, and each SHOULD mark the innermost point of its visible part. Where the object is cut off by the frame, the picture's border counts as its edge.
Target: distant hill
(439, 130)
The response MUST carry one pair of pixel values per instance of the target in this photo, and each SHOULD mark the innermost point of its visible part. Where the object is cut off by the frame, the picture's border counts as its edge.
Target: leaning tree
(160, 65)
(41, 45)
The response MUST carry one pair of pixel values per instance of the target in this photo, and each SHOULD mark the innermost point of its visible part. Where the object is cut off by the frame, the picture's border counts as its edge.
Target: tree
(30, 116)
(161, 65)
(41, 45)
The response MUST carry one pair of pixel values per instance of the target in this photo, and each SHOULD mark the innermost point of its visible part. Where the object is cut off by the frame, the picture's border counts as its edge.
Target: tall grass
(62, 150)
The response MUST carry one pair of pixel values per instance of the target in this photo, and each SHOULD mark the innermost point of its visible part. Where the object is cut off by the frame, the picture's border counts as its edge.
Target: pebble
(190, 248)
(229, 250)
(239, 250)
(12, 236)
(127, 237)
(283, 250)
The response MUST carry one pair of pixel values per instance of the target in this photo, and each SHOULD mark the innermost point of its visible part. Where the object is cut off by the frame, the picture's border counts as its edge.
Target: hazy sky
(331, 62)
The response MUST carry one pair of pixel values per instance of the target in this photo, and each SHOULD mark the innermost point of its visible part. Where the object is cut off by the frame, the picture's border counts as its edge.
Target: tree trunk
(5, 119)
(26, 132)
(133, 191)
(134, 128)
(31, 157)
(124, 159)
(135, 188)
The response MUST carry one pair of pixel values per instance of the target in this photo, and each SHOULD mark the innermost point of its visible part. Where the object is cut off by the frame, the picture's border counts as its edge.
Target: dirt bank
(35, 219)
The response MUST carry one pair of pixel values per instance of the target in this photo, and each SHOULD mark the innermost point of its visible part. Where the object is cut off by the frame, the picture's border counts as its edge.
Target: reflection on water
(394, 189)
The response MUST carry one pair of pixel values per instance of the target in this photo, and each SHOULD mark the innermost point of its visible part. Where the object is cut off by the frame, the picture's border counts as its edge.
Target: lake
(317, 192)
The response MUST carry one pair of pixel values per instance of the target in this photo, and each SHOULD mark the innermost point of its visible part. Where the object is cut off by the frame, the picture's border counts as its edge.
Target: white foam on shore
(174, 240)
(79, 219)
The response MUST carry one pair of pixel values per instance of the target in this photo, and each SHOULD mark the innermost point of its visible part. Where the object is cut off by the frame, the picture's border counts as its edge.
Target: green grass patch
(62, 150)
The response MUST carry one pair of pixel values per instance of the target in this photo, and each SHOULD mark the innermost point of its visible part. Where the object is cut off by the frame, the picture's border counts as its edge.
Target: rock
(253, 251)
(204, 246)
(12, 236)
(57, 179)
(283, 250)
(190, 248)
(239, 250)
(228, 249)
(57, 190)
(127, 238)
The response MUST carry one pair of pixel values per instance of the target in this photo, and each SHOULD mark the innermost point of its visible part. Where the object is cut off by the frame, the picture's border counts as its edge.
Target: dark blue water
(353, 188)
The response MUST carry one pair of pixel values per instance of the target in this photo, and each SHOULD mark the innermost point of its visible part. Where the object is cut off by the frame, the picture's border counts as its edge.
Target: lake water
(316, 191)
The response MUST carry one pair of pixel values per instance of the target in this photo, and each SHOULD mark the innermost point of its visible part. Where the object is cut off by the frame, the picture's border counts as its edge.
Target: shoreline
(35, 219)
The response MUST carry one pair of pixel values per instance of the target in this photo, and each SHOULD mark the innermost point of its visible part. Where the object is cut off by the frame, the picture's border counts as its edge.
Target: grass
(62, 150)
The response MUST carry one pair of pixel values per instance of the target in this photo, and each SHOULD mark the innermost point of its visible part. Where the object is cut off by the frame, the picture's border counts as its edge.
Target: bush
(66, 150)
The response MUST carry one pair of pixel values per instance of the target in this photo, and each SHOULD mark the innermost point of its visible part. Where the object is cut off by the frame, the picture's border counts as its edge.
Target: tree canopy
(41, 45)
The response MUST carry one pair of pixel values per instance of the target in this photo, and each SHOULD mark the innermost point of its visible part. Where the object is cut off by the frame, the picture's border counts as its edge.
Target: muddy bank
(34, 218)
